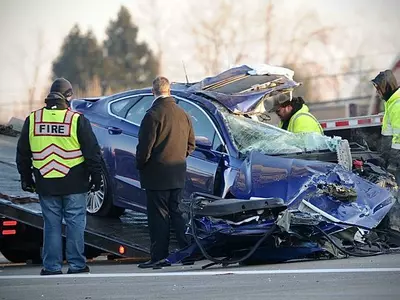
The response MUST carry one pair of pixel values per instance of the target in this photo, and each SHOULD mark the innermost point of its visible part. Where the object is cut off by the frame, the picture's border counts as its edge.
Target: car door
(125, 139)
(203, 163)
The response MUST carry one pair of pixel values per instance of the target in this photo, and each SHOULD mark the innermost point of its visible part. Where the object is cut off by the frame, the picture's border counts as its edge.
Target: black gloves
(393, 160)
(95, 182)
(28, 185)
(390, 155)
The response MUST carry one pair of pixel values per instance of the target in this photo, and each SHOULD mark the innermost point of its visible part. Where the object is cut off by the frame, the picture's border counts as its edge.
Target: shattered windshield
(251, 135)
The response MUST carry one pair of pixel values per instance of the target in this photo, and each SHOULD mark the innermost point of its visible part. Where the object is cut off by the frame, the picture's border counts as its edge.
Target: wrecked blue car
(240, 156)
(293, 209)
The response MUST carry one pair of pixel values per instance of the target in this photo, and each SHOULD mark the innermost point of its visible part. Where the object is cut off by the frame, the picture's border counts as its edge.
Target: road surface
(345, 279)
(353, 278)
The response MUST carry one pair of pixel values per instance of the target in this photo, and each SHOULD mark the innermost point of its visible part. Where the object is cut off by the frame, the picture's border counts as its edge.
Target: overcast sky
(374, 24)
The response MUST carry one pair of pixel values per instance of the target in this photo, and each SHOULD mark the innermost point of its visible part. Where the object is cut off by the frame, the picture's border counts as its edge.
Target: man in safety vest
(58, 146)
(294, 114)
(388, 90)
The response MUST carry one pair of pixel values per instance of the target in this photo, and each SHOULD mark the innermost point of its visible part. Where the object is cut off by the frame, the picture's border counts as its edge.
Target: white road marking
(203, 273)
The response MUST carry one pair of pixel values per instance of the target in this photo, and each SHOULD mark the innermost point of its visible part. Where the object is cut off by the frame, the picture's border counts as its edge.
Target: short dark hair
(160, 85)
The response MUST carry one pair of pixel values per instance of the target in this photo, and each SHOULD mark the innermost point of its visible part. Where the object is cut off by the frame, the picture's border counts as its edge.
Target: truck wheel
(101, 203)
(21, 256)
(91, 252)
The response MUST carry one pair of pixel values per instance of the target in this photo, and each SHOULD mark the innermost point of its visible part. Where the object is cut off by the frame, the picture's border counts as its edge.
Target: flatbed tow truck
(22, 226)
(21, 222)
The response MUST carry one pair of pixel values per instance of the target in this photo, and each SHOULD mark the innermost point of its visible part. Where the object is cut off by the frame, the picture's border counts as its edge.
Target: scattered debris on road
(259, 231)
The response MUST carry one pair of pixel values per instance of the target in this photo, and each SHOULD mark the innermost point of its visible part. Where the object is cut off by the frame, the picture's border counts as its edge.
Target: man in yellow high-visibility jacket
(295, 115)
(388, 90)
(62, 149)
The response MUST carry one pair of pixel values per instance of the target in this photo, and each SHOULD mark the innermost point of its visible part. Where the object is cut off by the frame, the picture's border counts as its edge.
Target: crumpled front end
(284, 209)
(265, 230)
(230, 231)
(327, 187)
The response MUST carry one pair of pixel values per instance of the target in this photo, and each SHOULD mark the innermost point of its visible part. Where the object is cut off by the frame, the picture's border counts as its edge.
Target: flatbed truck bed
(122, 237)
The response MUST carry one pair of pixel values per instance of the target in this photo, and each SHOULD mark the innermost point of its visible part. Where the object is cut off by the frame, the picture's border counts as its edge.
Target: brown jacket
(166, 138)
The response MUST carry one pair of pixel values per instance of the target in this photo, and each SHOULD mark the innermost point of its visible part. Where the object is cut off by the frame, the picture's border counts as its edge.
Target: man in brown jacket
(166, 138)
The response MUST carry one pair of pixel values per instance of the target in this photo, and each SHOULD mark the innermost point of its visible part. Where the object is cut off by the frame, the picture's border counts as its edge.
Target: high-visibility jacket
(391, 119)
(303, 121)
(54, 142)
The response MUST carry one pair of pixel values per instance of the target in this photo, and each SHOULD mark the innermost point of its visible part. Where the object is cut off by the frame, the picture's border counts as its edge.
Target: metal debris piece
(339, 192)
(8, 130)
(344, 155)
(19, 200)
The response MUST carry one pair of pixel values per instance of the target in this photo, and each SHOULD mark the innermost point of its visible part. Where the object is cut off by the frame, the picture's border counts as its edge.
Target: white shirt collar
(161, 96)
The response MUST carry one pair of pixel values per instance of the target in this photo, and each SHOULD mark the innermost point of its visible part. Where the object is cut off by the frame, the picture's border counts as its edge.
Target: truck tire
(21, 256)
(33, 255)
(101, 203)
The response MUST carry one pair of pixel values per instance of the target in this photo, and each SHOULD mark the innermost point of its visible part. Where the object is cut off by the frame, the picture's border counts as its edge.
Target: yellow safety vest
(391, 119)
(303, 121)
(54, 142)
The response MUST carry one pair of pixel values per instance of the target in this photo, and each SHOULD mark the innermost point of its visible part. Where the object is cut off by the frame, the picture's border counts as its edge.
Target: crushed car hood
(242, 89)
(325, 187)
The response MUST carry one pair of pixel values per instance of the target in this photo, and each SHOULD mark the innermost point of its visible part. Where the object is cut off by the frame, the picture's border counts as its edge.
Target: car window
(119, 107)
(249, 135)
(202, 125)
(136, 112)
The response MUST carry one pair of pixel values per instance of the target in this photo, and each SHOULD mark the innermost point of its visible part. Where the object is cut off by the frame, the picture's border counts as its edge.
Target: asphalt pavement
(9, 178)
(7, 148)
(354, 278)
(375, 277)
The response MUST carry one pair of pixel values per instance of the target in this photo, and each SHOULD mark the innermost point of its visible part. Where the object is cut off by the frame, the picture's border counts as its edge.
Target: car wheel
(101, 202)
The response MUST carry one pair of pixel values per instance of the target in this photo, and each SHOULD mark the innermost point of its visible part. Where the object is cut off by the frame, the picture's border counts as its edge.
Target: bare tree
(290, 46)
(156, 13)
(268, 30)
(219, 38)
(30, 63)
(233, 32)
(294, 44)
(38, 62)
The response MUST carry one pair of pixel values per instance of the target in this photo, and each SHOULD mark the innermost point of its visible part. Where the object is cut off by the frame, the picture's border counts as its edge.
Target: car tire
(101, 203)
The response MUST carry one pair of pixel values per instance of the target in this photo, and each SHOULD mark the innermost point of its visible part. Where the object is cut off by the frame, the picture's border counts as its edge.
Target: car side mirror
(203, 143)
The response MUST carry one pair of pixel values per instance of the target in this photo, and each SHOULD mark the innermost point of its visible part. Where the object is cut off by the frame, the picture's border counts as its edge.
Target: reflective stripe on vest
(56, 150)
(396, 146)
(304, 112)
(54, 143)
(294, 118)
(387, 128)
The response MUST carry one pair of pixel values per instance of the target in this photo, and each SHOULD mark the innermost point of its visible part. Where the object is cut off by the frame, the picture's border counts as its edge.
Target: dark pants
(161, 207)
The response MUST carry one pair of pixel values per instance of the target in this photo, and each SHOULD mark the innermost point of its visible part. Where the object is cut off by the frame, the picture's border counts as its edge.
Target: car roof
(179, 92)
(239, 89)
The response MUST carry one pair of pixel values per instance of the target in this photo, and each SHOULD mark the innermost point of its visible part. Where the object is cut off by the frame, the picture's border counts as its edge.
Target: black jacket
(77, 180)
(166, 138)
